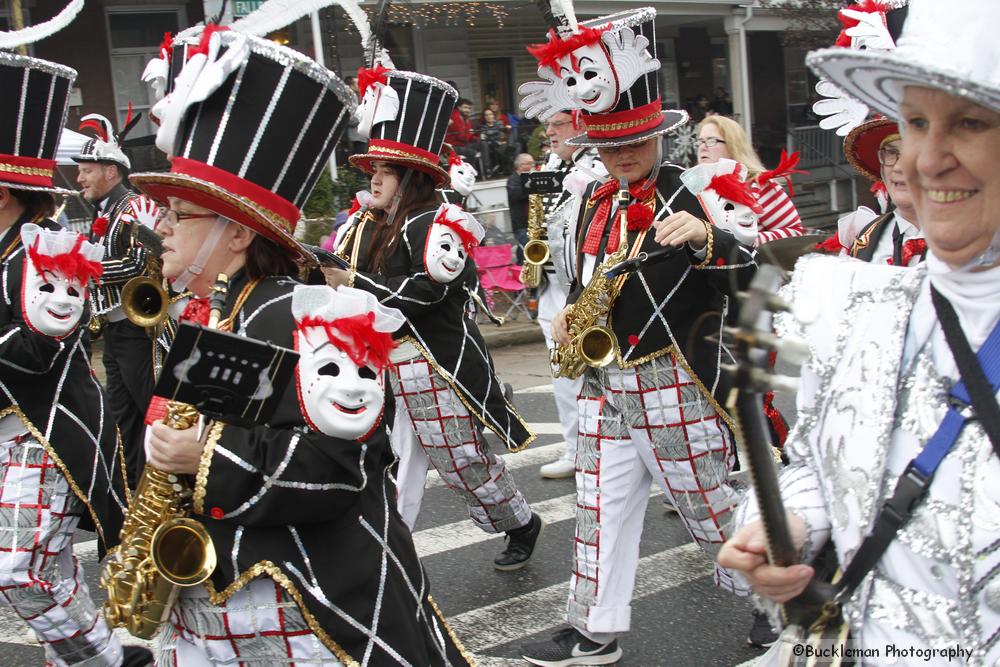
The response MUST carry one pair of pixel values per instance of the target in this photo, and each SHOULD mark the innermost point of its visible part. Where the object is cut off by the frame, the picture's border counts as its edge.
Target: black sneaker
(761, 635)
(567, 647)
(136, 656)
(520, 545)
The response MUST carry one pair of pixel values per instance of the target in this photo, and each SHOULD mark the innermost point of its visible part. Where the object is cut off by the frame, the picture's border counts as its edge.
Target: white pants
(433, 427)
(40, 578)
(565, 390)
(641, 425)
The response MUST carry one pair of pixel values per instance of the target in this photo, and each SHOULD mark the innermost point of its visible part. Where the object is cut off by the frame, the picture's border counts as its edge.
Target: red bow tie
(603, 196)
(913, 248)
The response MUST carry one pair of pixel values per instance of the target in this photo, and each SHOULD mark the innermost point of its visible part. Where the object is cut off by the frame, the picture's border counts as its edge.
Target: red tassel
(785, 169)
(730, 187)
(777, 421)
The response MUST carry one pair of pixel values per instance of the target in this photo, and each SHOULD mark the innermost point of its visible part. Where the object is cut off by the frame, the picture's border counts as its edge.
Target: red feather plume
(206, 37)
(785, 169)
(99, 227)
(730, 187)
(369, 76)
(468, 238)
(94, 125)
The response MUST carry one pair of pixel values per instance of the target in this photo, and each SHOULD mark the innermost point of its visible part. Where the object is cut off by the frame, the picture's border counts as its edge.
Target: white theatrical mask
(340, 398)
(463, 178)
(737, 218)
(444, 254)
(379, 104)
(52, 304)
(591, 84)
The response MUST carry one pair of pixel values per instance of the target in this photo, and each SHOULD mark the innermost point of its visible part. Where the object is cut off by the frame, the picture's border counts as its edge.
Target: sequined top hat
(862, 144)
(249, 126)
(607, 68)
(33, 110)
(106, 146)
(951, 46)
(404, 115)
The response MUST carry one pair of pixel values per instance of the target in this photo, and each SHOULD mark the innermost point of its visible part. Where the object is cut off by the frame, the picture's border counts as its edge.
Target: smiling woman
(897, 400)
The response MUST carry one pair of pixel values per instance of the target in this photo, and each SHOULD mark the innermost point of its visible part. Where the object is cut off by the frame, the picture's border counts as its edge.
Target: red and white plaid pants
(640, 425)
(259, 626)
(40, 577)
(433, 427)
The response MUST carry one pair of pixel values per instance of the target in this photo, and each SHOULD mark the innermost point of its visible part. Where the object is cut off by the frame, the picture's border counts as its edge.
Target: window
(135, 35)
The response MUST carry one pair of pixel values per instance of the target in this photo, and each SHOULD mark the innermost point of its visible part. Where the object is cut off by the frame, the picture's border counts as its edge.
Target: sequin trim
(451, 633)
(201, 477)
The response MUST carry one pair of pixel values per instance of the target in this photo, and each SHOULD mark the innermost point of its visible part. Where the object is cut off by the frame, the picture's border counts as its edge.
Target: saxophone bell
(536, 252)
(182, 552)
(597, 346)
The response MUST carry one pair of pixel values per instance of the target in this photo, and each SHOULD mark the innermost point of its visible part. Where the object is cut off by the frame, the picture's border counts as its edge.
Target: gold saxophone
(161, 548)
(536, 250)
(593, 344)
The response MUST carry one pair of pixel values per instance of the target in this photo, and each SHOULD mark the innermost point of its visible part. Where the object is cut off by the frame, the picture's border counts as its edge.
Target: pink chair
(500, 277)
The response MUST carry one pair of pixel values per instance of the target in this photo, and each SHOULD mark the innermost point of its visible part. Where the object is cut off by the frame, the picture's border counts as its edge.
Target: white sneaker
(558, 469)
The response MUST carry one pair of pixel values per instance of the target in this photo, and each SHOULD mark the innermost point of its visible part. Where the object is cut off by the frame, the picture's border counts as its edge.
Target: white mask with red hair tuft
(58, 266)
(344, 337)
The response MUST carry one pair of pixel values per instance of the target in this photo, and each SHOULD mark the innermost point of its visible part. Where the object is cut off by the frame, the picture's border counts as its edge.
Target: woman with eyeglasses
(720, 137)
(873, 150)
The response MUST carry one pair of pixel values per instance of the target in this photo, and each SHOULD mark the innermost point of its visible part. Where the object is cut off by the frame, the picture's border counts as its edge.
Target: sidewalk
(513, 332)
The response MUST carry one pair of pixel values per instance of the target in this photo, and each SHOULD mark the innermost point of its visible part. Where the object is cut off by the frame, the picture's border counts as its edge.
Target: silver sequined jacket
(872, 393)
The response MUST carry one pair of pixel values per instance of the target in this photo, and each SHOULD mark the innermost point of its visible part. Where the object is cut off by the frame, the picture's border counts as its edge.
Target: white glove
(544, 99)
(870, 32)
(842, 112)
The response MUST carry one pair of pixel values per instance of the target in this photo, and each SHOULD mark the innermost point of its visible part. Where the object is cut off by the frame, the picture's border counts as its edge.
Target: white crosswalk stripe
(517, 617)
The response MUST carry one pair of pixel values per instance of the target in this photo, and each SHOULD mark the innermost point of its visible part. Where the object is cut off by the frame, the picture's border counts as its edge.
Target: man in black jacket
(517, 201)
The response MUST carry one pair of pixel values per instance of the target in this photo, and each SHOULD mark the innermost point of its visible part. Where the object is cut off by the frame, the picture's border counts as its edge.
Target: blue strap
(944, 438)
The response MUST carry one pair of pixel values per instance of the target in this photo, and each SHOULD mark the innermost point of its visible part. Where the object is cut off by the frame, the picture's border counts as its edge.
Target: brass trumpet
(144, 301)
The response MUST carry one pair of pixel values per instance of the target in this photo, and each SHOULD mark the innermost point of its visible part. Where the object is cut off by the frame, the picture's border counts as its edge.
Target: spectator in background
(702, 108)
(517, 200)
(722, 104)
(493, 135)
(720, 137)
(464, 139)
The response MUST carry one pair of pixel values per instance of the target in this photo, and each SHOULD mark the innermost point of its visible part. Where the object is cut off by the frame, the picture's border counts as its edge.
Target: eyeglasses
(708, 142)
(888, 157)
(173, 218)
(556, 124)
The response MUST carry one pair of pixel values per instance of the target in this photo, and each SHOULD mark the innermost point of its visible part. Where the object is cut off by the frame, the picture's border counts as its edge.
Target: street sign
(243, 7)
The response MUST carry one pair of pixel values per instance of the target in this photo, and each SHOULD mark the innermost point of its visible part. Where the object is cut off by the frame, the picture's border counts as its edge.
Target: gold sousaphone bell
(144, 301)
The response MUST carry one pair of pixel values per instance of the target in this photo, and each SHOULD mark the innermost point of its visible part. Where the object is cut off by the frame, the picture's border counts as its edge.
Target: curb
(513, 333)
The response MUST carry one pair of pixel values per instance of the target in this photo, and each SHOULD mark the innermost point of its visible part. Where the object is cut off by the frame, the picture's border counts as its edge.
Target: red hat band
(32, 171)
(279, 210)
(619, 124)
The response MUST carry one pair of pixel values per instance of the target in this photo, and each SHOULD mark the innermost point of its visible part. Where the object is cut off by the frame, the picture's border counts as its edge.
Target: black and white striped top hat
(408, 114)
(249, 126)
(33, 110)
(606, 68)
